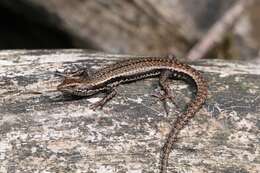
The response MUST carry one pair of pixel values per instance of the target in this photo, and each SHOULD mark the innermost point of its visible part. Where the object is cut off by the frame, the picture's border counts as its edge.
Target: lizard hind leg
(164, 81)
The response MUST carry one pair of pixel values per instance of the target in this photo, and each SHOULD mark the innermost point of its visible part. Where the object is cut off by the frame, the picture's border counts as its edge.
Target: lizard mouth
(67, 89)
(61, 88)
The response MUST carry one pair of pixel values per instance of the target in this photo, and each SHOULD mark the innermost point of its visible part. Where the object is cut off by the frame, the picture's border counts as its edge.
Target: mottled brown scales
(108, 78)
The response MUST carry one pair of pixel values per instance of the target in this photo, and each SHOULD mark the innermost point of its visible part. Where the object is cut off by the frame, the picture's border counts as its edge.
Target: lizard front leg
(111, 92)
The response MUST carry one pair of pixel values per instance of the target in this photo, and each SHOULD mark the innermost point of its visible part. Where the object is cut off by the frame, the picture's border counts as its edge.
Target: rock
(41, 130)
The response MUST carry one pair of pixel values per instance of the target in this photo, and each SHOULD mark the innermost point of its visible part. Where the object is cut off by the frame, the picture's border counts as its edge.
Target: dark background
(145, 27)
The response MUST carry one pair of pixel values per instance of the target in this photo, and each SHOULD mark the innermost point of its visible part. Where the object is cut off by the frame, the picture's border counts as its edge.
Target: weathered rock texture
(43, 131)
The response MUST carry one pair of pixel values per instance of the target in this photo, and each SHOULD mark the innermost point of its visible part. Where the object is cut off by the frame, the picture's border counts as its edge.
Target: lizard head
(76, 86)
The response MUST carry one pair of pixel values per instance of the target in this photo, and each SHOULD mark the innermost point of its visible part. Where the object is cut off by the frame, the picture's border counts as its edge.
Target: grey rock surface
(43, 131)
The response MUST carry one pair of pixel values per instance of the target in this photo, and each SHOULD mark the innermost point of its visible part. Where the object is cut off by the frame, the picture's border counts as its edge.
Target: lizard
(82, 83)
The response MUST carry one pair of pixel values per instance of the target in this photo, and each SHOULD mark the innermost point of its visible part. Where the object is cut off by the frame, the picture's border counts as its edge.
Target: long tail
(183, 120)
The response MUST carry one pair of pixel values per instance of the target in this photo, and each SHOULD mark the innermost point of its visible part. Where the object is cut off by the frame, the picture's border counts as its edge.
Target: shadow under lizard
(81, 83)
